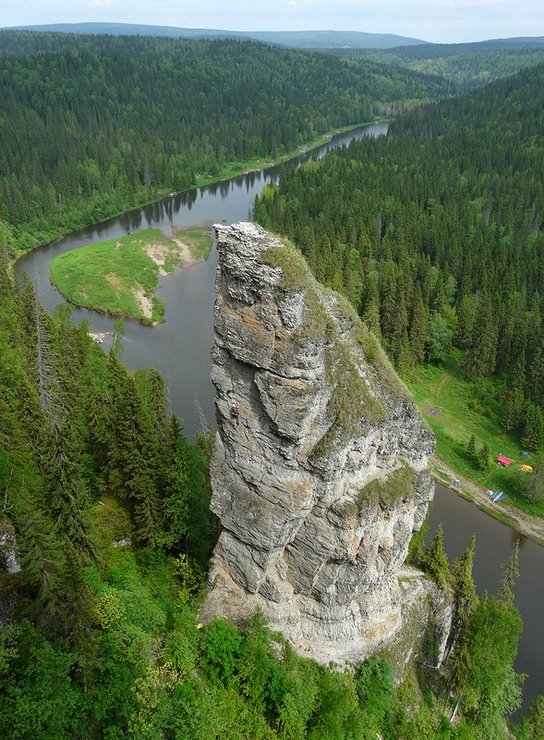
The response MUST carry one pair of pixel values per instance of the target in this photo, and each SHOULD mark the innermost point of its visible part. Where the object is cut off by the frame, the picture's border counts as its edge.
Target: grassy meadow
(455, 408)
(120, 276)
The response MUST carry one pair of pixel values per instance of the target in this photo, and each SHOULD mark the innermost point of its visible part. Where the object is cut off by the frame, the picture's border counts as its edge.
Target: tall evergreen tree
(533, 428)
(435, 561)
(483, 457)
(480, 357)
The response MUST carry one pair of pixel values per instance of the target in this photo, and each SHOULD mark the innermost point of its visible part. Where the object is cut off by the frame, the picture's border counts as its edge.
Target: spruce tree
(466, 597)
(510, 576)
(483, 457)
(479, 360)
(533, 428)
(418, 328)
(132, 451)
(435, 561)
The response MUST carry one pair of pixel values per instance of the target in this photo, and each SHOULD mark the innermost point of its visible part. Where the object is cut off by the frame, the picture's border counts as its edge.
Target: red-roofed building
(504, 461)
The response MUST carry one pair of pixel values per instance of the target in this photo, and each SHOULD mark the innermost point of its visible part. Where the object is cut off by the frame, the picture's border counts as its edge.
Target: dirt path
(530, 526)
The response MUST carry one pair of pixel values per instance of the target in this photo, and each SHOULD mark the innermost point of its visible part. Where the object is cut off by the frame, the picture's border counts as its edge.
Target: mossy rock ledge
(320, 468)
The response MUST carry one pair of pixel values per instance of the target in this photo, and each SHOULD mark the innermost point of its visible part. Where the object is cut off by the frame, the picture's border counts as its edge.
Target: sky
(430, 20)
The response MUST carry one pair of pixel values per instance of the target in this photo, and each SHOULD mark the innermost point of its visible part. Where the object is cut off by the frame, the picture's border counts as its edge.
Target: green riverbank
(34, 235)
(456, 408)
(120, 276)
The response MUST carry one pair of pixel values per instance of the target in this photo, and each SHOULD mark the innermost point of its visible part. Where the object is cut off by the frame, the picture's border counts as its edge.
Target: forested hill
(436, 234)
(465, 66)
(92, 125)
(295, 39)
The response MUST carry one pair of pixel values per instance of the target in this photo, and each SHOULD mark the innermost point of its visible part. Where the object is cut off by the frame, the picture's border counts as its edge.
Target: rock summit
(319, 472)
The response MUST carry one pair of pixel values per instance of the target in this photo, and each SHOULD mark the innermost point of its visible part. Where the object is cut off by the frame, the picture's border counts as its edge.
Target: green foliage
(471, 448)
(458, 66)
(533, 428)
(442, 396)
(438, 340)
(221, 648)
(511, 573)
(481, 668)
(466, 598)
(435, 561)
(398, 485)
(112, 521)
(376, 690)
(37, 697)
(417, 541)
(532, 728)
(116, 649)
(483, 457)
(115, 122)
(186, 518)
(118, 276)
(432, 233)
(534, 487)
(337, 714)
(292, 264)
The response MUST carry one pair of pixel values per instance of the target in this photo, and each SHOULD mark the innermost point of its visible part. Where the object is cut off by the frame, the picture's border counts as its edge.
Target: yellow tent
(526, 468)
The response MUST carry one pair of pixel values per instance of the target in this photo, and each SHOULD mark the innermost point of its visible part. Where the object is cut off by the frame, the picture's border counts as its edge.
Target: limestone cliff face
(319, 472)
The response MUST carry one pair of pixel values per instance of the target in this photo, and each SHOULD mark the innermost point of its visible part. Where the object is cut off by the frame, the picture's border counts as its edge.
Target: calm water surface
(494, 542)
(180, 349)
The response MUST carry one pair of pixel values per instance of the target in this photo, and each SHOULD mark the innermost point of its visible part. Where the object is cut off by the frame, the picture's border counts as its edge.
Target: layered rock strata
(319, 471)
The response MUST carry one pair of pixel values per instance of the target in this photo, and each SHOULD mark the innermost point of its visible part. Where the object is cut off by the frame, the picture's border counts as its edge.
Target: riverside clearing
(120, 276)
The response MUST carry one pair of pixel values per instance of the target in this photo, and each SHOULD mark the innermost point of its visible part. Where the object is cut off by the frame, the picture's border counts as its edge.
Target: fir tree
(533, 428)
(418, 329)
(465, 589)
(479, 360)
(510, 576)
(483, 457)
(435, 561)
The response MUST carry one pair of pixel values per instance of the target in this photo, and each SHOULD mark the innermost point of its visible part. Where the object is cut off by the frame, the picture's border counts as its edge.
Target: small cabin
(504, 461)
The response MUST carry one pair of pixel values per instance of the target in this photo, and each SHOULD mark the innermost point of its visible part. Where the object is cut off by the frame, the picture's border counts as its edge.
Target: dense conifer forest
(93, 125)
(436, 234)
(463, 66)
(106, 532)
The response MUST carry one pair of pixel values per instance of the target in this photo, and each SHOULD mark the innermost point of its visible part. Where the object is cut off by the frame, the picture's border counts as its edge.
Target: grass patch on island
(120, 276)
(197, 240)
(456, 408)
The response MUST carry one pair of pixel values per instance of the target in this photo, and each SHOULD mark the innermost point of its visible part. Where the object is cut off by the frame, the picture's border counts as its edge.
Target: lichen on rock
(319, 472)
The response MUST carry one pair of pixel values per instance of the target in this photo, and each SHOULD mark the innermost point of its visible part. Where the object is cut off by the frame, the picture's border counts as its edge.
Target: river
(180, 349)
(494, 542)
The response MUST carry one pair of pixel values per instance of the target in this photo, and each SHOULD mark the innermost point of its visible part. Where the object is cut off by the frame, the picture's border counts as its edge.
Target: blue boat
(497, 496)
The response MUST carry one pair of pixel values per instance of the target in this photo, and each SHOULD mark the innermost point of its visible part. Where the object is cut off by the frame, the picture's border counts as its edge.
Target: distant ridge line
(296, 39)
